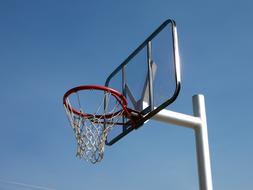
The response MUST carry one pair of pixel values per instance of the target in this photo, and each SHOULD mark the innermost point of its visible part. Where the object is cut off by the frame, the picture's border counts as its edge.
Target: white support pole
(199, 124)
(202, 146)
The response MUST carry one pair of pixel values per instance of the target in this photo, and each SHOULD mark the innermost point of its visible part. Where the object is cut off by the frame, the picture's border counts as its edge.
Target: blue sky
(48, 47)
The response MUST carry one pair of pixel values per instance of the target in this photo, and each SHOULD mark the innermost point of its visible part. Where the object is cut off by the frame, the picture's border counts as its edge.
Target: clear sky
(49, 46)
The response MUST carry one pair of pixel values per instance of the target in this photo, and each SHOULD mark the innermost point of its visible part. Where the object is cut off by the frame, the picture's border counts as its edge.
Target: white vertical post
(202, 146)
(199, 125)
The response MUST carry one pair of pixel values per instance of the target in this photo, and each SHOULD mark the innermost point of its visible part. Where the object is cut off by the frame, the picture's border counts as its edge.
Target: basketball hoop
(92, 128)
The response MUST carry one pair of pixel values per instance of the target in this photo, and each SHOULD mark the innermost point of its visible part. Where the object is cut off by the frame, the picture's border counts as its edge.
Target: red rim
(119, 97)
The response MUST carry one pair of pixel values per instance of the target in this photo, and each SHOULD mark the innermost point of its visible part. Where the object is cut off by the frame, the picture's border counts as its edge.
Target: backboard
(149, 77)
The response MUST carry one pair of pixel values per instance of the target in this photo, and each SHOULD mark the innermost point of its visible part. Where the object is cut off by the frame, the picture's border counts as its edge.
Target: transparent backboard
(149, 78)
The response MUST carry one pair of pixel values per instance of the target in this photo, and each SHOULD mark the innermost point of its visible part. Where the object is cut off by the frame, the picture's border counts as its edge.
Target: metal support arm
(199, 124)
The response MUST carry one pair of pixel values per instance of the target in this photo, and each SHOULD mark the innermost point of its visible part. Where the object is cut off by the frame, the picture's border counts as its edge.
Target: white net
(91, 130)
